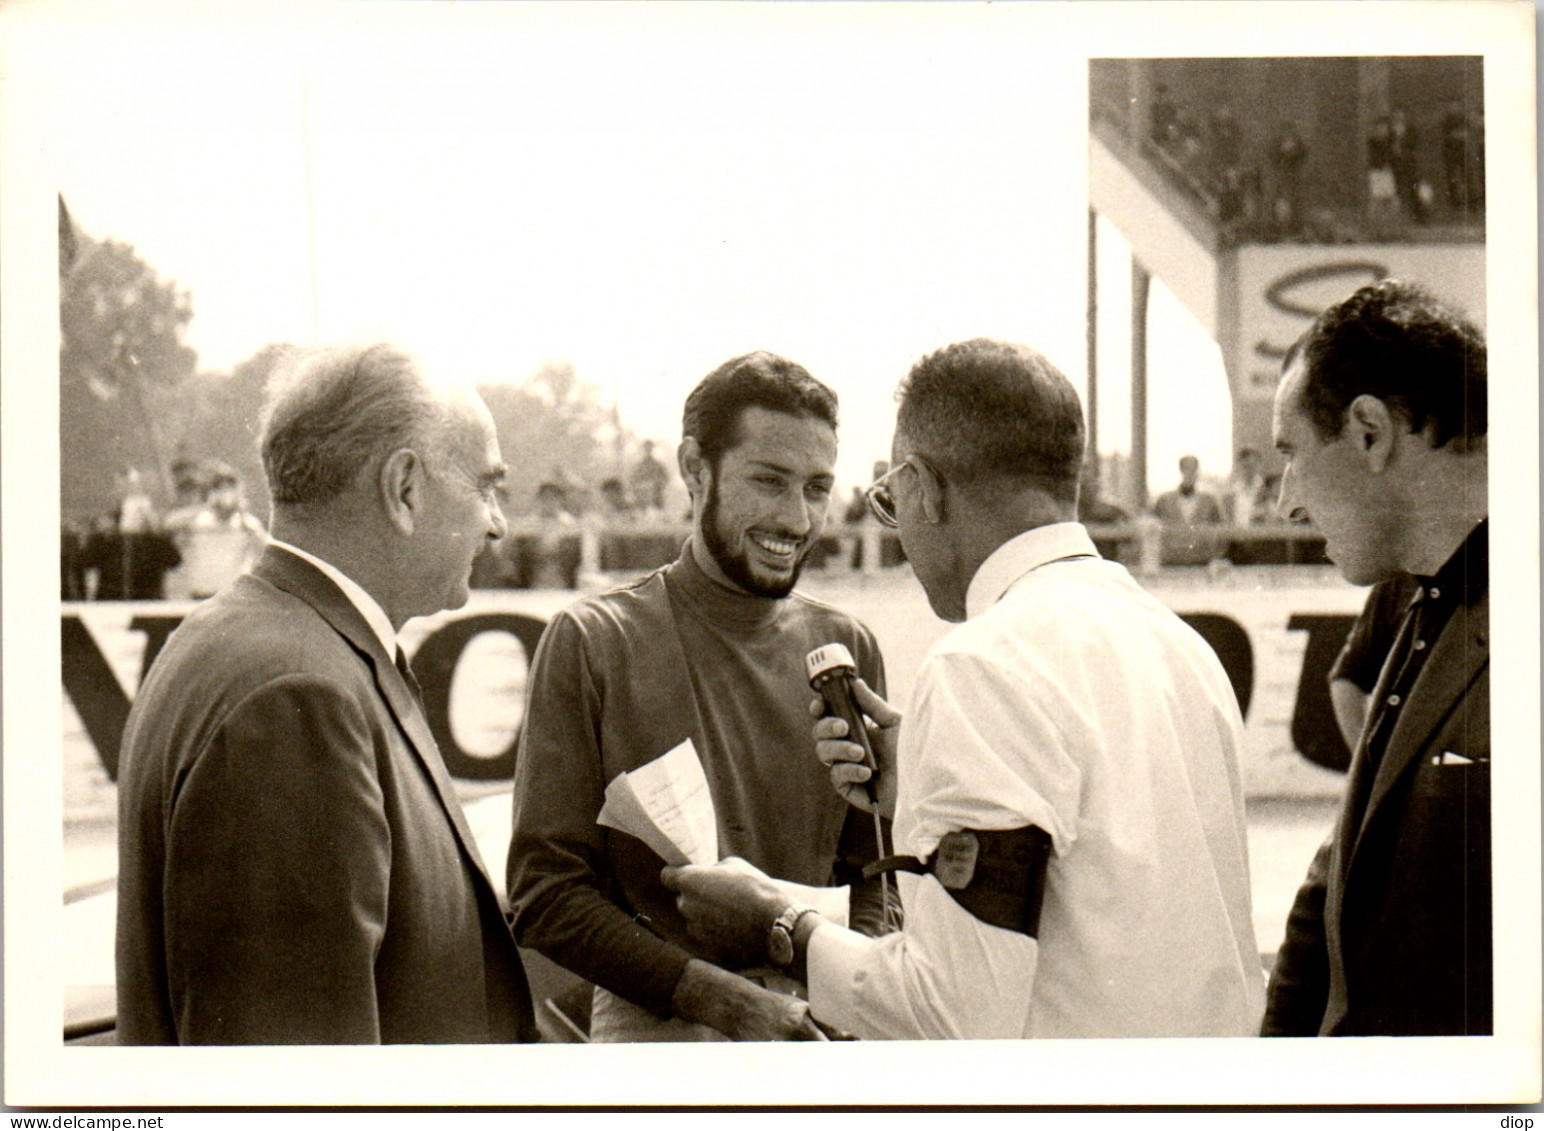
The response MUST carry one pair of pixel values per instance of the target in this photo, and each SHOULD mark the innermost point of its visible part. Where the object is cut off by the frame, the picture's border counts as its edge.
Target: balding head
(335, 414)
(389, 477)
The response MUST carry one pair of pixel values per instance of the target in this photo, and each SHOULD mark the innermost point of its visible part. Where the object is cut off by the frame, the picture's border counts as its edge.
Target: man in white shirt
(1069, 785)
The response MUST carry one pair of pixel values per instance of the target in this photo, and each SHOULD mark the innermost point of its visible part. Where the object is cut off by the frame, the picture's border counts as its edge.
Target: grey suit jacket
(1391, 932)
(294, 865)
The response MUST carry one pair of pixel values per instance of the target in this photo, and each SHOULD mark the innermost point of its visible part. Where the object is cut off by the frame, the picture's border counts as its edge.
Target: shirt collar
(1466, 574)
(368, 606)
(1020, 554)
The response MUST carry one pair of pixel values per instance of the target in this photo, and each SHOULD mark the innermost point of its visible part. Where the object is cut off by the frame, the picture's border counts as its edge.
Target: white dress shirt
(1070, 699)
(368, 606)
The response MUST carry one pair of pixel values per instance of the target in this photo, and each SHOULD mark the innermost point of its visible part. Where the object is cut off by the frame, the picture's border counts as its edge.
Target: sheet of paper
(666, 804)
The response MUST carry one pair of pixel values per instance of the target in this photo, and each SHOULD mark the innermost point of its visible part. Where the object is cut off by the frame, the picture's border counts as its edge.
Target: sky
(643, 192)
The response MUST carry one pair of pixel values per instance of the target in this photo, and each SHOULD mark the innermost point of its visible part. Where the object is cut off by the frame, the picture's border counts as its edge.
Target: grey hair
(985, 411)
(336, 412)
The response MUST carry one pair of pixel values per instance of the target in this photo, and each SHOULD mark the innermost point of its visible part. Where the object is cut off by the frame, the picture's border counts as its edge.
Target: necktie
(408, 677)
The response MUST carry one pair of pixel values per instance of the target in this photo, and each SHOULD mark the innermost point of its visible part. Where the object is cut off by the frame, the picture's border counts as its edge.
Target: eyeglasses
(880, 498)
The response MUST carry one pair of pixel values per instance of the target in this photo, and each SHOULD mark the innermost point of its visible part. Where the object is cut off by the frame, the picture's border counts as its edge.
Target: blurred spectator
(127, 565)
(219, 539)
(857, 507)
(616, 509)
(1248, 500)
(1382, 200)
(1190, 151)
(648, 481)
(613, 526)
(1288, 158)
(1093, 507)
(1191, 518)
(72, 575)
(1460, 165)
(1096, 511)
(190, 483)
(1406, 168)
(1477, 167)
(1187, 503)
(1227, 143)
(854, 518)
(1355, 672)
(548, 557)
(491, 568)
(1163, 125)
(136, 513)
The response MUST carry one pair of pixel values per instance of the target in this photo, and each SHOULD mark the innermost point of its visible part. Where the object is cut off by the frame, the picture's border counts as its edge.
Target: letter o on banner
(435, 666)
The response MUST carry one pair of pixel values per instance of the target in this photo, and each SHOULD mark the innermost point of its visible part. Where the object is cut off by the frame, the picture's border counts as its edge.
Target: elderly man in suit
(1381, 417)
(294, 864)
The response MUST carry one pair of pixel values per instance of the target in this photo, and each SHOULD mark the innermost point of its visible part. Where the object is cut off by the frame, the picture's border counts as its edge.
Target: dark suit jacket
(1391, 932)
(1169, 507)
(294, 865)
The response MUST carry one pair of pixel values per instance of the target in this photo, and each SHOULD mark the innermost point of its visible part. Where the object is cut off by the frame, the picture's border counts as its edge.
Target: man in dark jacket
(1381, 416)
(295, 867)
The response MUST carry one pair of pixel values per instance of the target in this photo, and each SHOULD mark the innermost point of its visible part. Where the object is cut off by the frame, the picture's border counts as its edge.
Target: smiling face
(760, 510)
(1336, 484)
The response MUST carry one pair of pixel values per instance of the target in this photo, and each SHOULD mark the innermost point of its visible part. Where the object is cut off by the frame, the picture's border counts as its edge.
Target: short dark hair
(335, 412)
(985, 410)
(1394, 341)
(752, 380)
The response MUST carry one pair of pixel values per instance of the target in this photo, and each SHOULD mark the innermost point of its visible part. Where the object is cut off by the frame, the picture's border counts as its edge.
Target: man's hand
(740, 1009)
(845, 758)
(728, 907)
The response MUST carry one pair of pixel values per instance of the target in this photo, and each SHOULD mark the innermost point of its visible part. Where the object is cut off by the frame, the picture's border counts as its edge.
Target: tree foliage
(129, 398)
(222, 419)
(555, 427)
(121, 361)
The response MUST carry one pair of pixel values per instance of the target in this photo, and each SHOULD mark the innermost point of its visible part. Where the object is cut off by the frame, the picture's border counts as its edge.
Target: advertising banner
(1277, 630)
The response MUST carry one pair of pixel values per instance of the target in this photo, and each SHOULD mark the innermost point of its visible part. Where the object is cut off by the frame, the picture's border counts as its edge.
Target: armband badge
(954, 860)
(998, 875)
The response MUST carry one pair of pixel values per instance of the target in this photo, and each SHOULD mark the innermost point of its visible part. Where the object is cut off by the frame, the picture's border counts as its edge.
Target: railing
(588, 550)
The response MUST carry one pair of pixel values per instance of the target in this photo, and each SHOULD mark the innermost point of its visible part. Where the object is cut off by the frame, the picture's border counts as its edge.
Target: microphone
(831, 671)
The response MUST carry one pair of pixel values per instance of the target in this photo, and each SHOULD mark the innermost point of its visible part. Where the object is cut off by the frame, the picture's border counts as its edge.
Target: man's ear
(1373, 429)
(694, 468)
(401, 487)
(932, 489)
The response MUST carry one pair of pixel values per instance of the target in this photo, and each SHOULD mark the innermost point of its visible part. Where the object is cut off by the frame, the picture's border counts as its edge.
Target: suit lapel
(1461, 651)
(300, 578)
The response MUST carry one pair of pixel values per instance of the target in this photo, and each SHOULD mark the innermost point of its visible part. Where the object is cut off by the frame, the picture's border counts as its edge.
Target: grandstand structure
(1260, 190)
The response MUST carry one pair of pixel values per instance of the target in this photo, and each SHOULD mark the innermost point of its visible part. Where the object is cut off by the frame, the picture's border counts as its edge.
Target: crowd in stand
(575, 535)
(136, 553)
(1260, 192)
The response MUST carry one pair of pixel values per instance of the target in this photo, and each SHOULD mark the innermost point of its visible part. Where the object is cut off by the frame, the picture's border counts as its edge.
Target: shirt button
(1435, 593)
(1418, 645)
(1393, 700)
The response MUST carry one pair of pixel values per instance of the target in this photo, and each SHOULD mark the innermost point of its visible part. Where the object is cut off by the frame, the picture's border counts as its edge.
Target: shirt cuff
(835, 964)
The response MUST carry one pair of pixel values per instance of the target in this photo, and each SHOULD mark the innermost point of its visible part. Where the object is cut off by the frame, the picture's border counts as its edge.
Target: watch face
(780, 945)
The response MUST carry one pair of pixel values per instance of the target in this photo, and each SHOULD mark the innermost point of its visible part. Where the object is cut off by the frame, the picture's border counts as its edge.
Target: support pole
(1092, 450)
(1140, 284)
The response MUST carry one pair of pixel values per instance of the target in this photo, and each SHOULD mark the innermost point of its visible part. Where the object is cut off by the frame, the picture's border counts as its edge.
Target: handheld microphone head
(826, 659)
(831, 671)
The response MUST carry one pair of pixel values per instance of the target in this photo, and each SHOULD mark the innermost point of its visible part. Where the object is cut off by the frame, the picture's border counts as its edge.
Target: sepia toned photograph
(956, 533)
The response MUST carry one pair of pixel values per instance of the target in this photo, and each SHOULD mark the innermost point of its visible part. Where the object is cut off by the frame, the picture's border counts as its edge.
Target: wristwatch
(780, 934)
